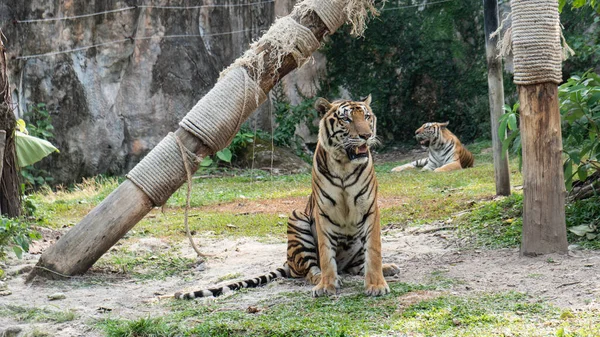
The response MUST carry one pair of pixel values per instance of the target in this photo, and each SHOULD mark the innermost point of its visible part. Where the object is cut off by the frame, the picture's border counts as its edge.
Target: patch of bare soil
(423, 257)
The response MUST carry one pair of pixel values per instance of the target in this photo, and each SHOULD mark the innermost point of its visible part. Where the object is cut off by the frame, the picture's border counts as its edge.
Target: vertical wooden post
(537, 50)
(496, 95)
(544, 228)
(2, 145)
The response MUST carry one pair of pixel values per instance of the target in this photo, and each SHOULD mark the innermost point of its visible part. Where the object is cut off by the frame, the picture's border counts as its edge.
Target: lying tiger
(446, 153)
(339, 231)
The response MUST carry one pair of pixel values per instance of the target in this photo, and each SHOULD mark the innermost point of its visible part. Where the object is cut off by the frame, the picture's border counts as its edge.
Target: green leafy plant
(241, 139)
(583, 222)
(508, 131)
(37, 130)
(595, 4)
(15, 235)
(580, 110)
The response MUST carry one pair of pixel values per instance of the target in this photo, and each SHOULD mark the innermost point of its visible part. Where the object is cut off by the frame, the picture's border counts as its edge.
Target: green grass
(284, 314)
(495, 224)
(213, 223)
(492, 315)
(251, 185)
(145, 265)
(30, 314)
(298, 314)
(415, 198)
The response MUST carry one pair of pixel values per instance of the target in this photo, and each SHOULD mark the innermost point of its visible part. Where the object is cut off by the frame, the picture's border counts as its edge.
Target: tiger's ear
(443, 125)
(367, 100)
(322, 105)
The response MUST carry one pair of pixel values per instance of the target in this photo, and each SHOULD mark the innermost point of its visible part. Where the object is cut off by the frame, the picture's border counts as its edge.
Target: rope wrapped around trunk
(162, 171)
(536, 41)
(218, 116)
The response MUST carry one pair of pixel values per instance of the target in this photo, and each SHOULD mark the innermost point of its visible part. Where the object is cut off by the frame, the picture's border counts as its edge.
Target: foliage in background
(30, 149)
(288, 116)
(594, 4)
(580, 111)
(421, 64)
(39, 124)
(581, 22)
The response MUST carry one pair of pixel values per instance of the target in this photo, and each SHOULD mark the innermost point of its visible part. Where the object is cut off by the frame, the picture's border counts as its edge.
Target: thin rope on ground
(33, 273)
(126, 40)
(74, 17)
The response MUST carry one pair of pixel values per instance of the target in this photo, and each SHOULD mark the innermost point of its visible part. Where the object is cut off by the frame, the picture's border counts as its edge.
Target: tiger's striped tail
(249, 283)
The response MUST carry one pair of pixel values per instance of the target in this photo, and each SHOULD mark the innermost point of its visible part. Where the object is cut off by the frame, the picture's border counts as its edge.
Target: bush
(580, 110)
(15, 235)
(583, 222)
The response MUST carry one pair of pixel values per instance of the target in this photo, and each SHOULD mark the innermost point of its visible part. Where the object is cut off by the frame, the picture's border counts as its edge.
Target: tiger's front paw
(377, 289)
(326, 288)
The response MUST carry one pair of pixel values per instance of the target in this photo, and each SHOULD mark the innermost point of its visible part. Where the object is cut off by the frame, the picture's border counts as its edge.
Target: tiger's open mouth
(424, 142)
(357, 152)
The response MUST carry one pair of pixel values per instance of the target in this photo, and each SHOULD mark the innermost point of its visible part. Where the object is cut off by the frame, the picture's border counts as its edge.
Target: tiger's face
(347, 129)
(429, 132)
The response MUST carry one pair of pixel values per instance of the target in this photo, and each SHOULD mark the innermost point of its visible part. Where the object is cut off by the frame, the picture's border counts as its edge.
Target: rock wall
(111, 104)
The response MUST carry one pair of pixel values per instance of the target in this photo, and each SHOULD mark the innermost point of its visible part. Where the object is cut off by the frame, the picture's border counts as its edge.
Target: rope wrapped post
(496, 95)
(536, 45)
(207, 128)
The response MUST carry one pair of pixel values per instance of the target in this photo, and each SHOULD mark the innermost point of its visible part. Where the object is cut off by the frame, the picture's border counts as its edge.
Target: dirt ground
(423, 255)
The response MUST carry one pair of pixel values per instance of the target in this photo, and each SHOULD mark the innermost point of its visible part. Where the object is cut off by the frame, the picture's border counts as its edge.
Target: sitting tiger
(446, 153)
(339, 230)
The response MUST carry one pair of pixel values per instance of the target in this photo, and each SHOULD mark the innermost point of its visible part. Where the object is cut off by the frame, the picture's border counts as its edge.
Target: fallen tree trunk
(585, 189)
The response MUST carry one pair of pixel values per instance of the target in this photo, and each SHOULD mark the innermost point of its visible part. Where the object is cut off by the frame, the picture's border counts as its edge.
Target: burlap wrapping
(335, 13)
(285, 37)
(162, 171)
